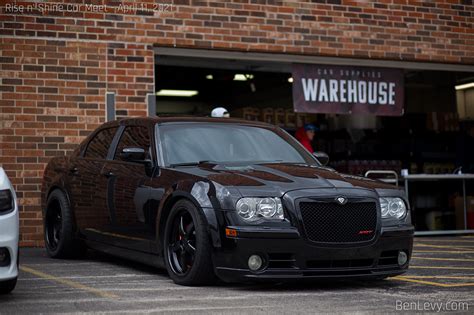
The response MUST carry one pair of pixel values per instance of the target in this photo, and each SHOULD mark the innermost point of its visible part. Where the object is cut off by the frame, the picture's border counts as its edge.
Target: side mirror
(322, 157)
(133, 154)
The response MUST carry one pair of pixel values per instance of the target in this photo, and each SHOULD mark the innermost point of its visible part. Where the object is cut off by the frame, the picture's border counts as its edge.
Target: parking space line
(69, 283)
(436, 284)
(199, 309)
(441, 277)
(446, 241)
(443, 259)
(441, 267)
(151, 276)
(445, 246)
(458, 239)
(445, 251)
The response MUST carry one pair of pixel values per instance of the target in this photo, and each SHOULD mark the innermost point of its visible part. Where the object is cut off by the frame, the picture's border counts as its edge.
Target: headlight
(254, 209)
(6, 201)
(393, 208)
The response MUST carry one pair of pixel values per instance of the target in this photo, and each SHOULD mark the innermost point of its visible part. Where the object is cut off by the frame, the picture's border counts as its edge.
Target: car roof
(186, 119)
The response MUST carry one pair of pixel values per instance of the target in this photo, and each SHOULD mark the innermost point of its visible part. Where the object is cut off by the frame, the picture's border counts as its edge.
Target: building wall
(56, 63)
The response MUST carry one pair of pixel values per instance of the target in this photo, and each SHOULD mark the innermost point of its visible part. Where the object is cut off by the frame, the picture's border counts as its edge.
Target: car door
(128, 192)
(87, 188)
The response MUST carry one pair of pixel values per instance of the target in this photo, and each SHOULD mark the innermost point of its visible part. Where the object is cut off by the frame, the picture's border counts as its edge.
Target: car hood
(279, 178)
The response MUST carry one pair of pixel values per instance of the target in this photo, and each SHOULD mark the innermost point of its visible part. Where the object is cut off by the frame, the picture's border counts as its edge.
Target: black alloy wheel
(60, 234)
(182, 246)
(187, 247)
(53, 226)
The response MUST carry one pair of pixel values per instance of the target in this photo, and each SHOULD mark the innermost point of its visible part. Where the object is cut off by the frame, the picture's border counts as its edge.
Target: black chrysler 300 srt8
(220, 197)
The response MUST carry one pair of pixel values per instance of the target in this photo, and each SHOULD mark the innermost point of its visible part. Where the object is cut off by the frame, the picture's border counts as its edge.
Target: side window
(99, 145)
(134, 136)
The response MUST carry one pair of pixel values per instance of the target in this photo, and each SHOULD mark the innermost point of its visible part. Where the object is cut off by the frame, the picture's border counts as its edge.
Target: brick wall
(56, 63)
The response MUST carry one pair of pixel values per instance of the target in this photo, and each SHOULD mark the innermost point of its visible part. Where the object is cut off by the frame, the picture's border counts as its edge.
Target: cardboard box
(268, 115)
(247, 113)
(279, 117)
(290, 118)
(459, 206)
(301, 119)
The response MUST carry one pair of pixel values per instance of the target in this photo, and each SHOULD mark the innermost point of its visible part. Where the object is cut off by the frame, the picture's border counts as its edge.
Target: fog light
(3, 255)
(255, 262)
(402, 258)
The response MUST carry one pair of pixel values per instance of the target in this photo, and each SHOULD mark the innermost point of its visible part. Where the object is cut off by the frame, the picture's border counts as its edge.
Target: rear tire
(7, 286)
(59, 228)
(188, 255)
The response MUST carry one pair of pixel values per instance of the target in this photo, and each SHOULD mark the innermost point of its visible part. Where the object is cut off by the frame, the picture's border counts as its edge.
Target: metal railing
(393, 180)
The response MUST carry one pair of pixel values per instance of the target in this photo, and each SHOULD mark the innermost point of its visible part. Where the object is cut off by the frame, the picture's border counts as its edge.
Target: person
(305, 136)
(220, 112)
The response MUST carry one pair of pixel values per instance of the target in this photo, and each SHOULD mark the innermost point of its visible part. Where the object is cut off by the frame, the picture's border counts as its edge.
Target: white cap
(220, 112)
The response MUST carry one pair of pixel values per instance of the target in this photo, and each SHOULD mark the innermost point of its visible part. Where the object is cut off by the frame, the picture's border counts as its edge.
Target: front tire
(7, 286)
(187, 247)
(59, 228)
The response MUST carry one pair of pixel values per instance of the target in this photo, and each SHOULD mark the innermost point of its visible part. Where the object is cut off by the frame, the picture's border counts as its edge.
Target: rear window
(98, 147)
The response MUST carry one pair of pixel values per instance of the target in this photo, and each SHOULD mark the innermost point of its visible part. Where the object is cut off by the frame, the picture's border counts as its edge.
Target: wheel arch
(171, 200)
(53, 188)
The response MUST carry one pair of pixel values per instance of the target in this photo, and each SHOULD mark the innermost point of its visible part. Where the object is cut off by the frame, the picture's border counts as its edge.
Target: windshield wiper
(231, 163)
(268, 162)
(190, 163)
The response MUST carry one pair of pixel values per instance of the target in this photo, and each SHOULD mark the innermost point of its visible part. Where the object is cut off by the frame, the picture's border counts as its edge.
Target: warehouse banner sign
(347, 90)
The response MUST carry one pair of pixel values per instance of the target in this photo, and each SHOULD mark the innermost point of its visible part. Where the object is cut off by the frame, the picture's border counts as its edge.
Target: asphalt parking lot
(441, 276)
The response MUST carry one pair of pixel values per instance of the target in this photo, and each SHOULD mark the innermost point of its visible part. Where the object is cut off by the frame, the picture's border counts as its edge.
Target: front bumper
(9, 240)
(287, 256)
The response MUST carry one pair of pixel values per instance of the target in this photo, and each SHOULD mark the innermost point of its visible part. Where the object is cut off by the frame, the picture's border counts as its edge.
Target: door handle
(74, 171)
(108, 174)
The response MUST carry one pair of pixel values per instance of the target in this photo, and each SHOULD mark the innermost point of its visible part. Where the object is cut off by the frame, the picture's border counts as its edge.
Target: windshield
(227, 143)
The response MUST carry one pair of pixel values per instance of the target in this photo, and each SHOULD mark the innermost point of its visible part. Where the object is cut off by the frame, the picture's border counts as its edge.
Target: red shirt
(302, 137)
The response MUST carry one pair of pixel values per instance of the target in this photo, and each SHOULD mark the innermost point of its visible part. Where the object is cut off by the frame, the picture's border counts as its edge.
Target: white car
(9, 235)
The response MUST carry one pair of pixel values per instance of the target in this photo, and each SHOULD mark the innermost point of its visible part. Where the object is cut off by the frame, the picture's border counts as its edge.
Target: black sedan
(224, 198)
